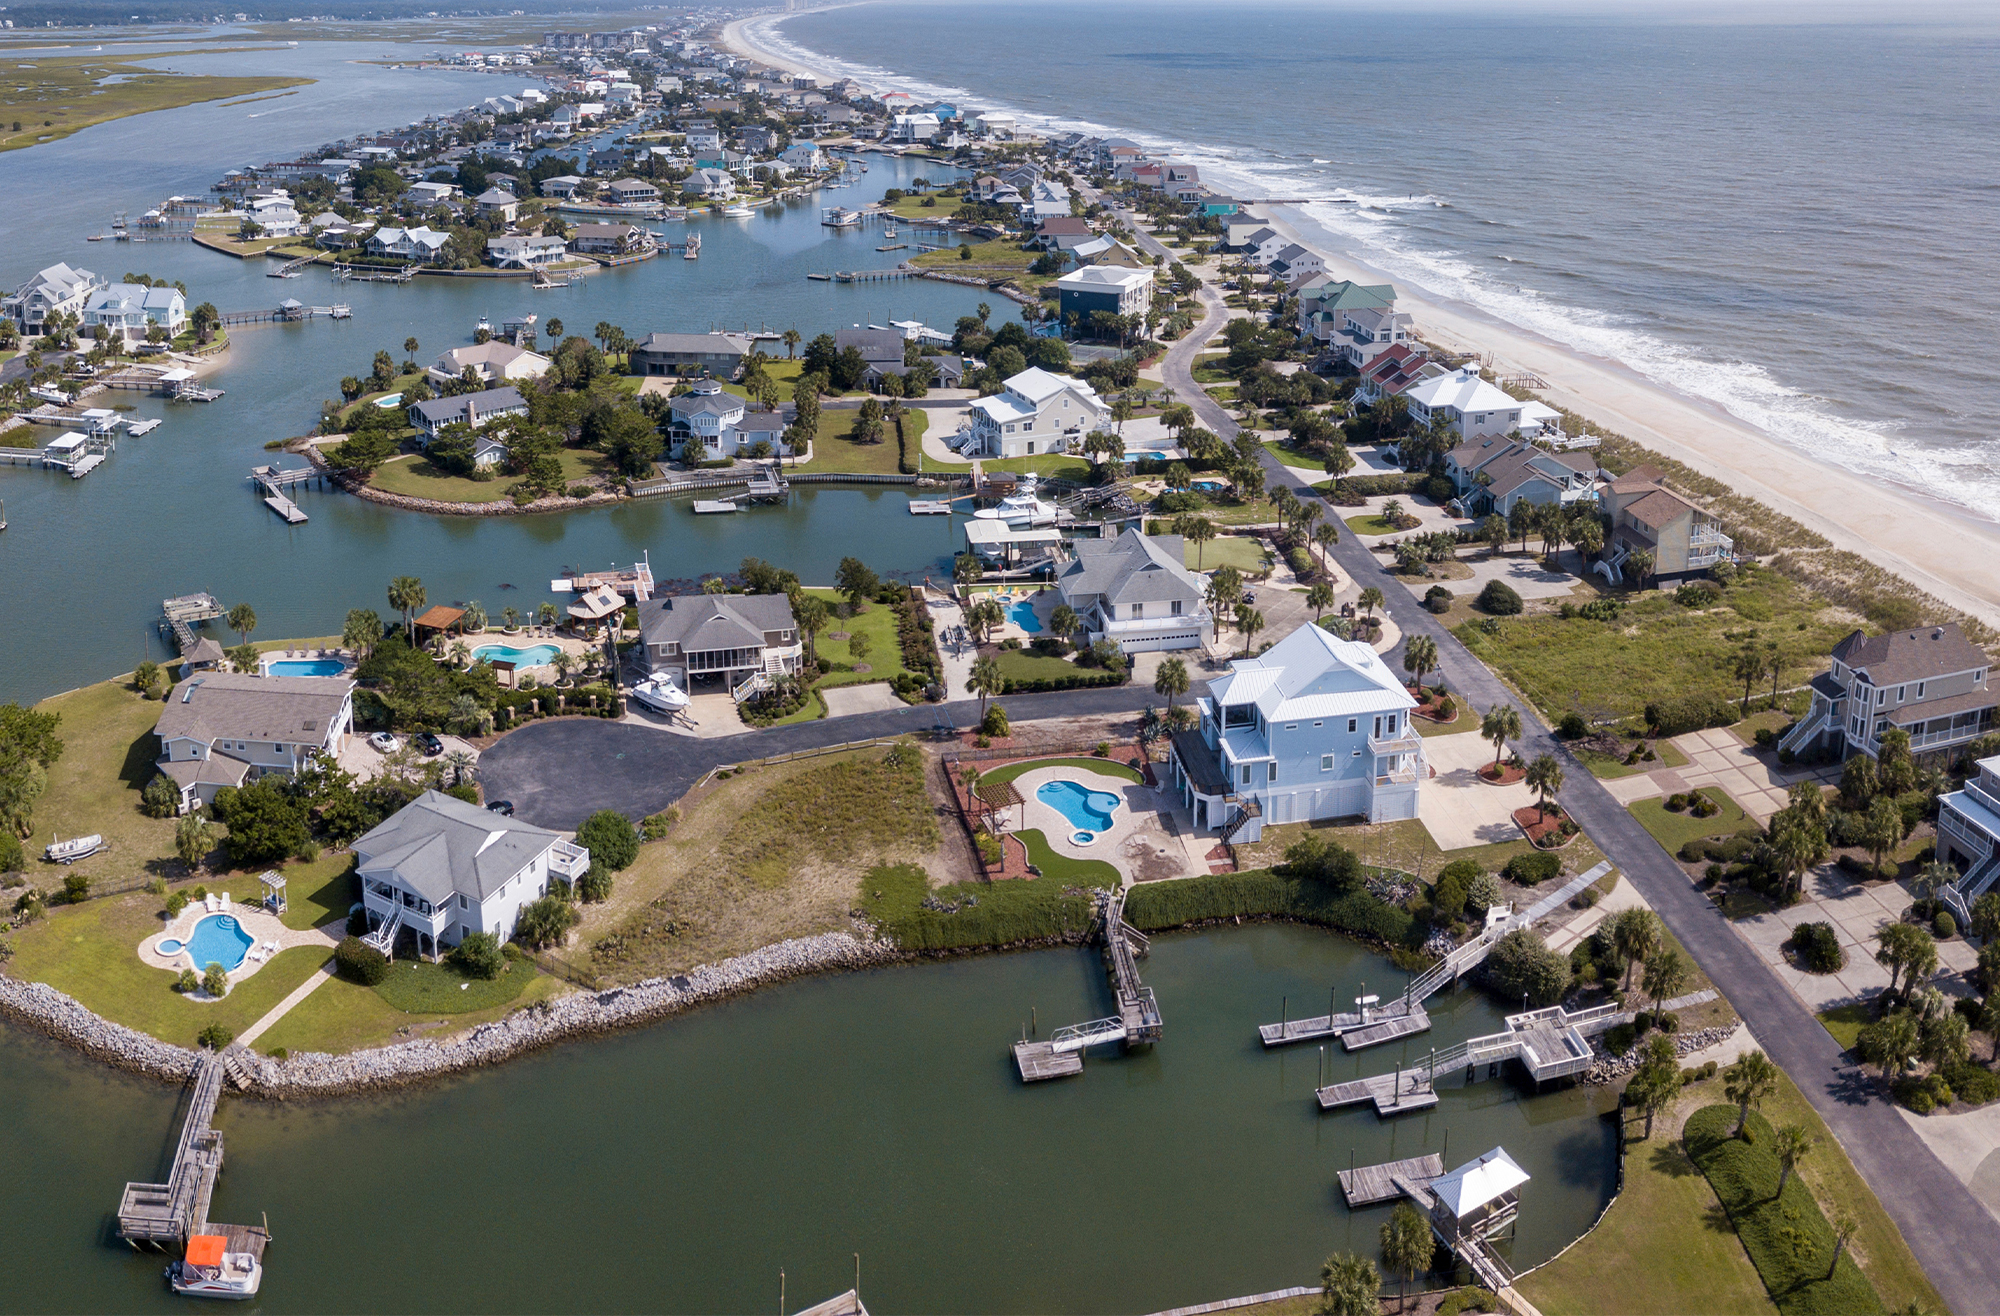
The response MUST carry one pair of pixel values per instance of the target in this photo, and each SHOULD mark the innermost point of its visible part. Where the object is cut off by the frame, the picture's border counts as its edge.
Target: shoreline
(1919, 538)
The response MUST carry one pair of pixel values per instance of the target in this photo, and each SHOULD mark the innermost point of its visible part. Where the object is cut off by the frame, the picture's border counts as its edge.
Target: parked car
(504, 808)
(429, 744)
(385, 742)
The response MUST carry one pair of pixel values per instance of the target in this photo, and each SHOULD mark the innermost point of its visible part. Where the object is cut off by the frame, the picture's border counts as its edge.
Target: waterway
(679, 1168)
(171, 513)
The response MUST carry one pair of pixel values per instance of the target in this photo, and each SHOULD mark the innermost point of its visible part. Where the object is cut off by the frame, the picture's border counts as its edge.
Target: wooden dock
(1320, 1026)
(274, 482)
(170, 1211)
(1138, 1017)
(1389, 1030)
(1378, 1183)
(1402, 1093)
(1040, 1060)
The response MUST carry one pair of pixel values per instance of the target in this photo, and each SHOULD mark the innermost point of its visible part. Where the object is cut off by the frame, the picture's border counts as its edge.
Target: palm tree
(1249, 621)
(458, 761)
(1420, 655)
(564, 662)
(1845, 1226)
(1350, 1286)
(1325, 536)
(1639, 564)
(790, 338)
(1121, 411)
(406, 595)
(555, 331)
(410, 351)
(1171, 680)
(811, 613)
(1371, 599)
(1545, 778)
(546, 614)
(1792, 1145)
(1063, 621)
(1406, 1246)
(242, 619)
(985, 681)
(1319, 598)
(1501, 724)
(1747, 1083)
(461, 653)
(1635, 935)
(1339, 461)
(983, 616)
(1197, 530)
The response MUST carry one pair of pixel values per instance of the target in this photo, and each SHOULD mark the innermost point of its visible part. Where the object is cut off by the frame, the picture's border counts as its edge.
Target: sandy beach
(1940, 549)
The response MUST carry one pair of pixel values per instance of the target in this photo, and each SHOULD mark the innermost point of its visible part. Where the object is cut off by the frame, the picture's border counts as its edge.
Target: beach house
(1683, 540)
(422, 244)
(1930, 681)
(1116, 289)
(495, 361)
(474, 409)
(609, 239)
(57, 290)
(1314, 727)
(1473, 408)
(126, 311)
(720, 355)
(1968, 832)
(1493, 473)
(273, 213)
(497, 203)
(440, 869)
(525, 253)
(1035, 412)
(737, 640)
(1135, 591)
(227, 728)
(713, 184)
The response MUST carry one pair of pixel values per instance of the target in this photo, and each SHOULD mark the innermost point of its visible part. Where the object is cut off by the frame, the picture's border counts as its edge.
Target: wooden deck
(1379, 1183)
(1410, 1018)
(1040, 1060)
(1392, 1094)
(1403, 1025)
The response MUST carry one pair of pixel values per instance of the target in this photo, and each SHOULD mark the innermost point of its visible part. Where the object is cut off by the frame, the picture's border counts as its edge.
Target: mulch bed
(1428, 701)
(1506, 775)
(1545, 830)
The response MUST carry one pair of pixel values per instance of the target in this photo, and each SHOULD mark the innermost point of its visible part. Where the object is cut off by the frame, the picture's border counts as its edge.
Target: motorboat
(660, 694)
(211, 1271)
(737, 212)
(1022, 507)
(484, 326)
(77, 847)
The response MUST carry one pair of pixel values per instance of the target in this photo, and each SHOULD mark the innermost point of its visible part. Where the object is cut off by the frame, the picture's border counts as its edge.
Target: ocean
(1794, 221)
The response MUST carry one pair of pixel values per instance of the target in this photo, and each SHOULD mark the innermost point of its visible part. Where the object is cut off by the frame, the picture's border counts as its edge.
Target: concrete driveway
(1716, 757)
(1528, 577)
(874, 697)
(1457, 808)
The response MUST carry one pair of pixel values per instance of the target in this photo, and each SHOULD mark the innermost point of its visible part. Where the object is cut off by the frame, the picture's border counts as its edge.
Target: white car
(385, 742)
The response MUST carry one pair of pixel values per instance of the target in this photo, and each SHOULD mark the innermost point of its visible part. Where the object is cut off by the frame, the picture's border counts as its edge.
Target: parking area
(1526, 574)
(367, 762)
(1459, 809)
(1716, 757)
(1857, 911)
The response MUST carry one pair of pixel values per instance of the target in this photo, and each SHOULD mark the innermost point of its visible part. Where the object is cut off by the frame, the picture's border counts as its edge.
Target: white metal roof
(1039, 385)
(1478, 1182)
(1462, 389)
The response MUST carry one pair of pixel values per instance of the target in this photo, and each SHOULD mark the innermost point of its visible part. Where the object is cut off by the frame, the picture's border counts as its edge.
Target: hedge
(1263, 893)
(1786, 1235)
(900, 902)
(1081, 681)
(1531, 869)
(576, 703)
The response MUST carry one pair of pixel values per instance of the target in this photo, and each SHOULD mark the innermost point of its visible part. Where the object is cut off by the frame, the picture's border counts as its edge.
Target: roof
(1092, 278)
(439, 846)
(1478, 1182)
(437, 617)
(496, 196)
(497, 352)
(1064, 226)
(602, 601)
(603, 230)
(1039, 385)
(1462, 390)
(707, 344)
(1923, 710)
(698, 622)
(1658, 508)
(1912, 655)
(284, 710)
(876, 344)
(1133, 568)
(1312, 673)
(706, 404)
(443, 411)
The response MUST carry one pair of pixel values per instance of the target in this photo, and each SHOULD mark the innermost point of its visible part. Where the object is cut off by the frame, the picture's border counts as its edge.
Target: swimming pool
(305, 667)
(171, 946)
(1209, 485)
(389, 402)
(1086, 809)
(218, 939)
(535, 655)
(1022, 613)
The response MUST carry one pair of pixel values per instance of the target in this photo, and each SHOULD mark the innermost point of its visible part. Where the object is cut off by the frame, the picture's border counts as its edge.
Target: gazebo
(439, 620)
(596, 607)
(274, 891)
(994, 797)
(1478, 1201)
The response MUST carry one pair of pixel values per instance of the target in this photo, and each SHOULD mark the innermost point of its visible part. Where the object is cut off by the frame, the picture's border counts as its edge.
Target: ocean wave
(1747, 390)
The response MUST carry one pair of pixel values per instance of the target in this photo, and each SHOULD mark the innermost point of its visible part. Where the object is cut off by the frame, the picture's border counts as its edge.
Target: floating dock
(713, 506)
(1378, 1183)
(273, 482)
(1402, 1093)
(1138, 1018)
(930, 507)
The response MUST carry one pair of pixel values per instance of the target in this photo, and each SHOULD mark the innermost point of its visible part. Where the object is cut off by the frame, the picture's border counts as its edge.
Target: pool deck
(257, 922)
(1144, 842)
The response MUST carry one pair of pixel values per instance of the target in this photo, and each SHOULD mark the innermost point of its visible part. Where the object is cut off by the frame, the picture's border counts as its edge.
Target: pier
(1138, 1018)
(273, 482)
(1386, 1182)
(174, 1211)
(1405, 1016)
(180, 616)
(1467, 1209)
(289, 310)
(363, 274)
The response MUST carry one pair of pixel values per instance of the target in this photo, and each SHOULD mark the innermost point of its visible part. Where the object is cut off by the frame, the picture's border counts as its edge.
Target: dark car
(429, 744)
(503, 807)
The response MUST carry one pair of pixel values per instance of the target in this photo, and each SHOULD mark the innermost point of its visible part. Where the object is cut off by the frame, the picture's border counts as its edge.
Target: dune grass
(971, 913)
(61, 94)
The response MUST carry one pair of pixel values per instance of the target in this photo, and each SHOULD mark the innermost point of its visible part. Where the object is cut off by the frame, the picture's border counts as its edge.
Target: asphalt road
(560, 772)
(1953, 1235)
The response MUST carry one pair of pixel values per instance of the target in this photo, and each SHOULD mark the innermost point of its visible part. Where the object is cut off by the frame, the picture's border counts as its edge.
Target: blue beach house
(1314, 727)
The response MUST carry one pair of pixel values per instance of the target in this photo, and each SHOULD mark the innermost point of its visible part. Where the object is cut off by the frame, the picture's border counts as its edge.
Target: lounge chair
(225, 901)
(270, 948)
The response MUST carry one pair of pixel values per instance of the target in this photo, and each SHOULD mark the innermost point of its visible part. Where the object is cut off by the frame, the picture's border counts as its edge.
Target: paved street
(1952, 1234)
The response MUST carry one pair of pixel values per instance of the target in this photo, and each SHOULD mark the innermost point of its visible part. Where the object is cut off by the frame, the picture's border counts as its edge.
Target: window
(1246, 775)
(1378, 726)
(1920, 689)
(1291, 726)
(1326, 763)
(1353, 725)
(1271, 773)
(463, 903)
(1177, 608)
(1319, 724)
(1138, 610)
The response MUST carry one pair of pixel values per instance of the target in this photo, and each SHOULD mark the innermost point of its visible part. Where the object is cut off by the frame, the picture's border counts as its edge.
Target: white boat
(660, 694)
(1022, 507)
(484, 324)
(209, 1271)
(79, 847)
(737, 212)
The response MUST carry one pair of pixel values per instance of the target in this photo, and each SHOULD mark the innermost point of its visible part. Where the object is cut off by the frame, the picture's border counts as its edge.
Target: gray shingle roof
(1913, 655)
(443, 411)
(1132, 568)
(439, 846)
(699, 622)
(283, 710)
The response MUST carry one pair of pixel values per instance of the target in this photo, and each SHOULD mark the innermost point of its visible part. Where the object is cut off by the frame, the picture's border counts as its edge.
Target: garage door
(1342, 799)
(1157, 642)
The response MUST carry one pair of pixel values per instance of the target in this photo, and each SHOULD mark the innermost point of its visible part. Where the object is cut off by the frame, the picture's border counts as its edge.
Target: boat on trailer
(660, 694)
(77, 847)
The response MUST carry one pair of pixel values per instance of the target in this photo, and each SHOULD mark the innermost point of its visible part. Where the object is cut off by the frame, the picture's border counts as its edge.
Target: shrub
(12, 860)
(1531, 869)
(1573, 726)
(360, 963)
(187, 982)
(215, 981)
(995, 721)
(357, 922)
(76, 888)
(1469, 1298)
(1944, 927)
(477, 955)
(176, 902)
(215, 1037)
(1521, 963)
(1447, 708)
(1974, 1084)
(1499, 599)
(594, 887)
(1437, 599)
(1620, 1039)
(610, 838)
(1817, 947)
(1268, 893)
(545, 922)
(1454, 881)
(1698, 594)
(1481, 895)
(1675, 802)
(159, 799)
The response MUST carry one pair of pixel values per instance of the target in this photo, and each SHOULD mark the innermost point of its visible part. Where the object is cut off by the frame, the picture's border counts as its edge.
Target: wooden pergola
(274, 891)
(993, 797)
(440, 619)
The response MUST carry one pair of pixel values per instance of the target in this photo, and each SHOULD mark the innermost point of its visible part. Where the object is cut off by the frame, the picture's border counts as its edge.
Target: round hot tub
(170, 946)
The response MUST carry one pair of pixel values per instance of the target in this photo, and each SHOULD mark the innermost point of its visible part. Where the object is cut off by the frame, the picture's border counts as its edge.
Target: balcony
(1396, 777)
(572, 861)
(1405, 741)
(421, 915)
(1976, 788)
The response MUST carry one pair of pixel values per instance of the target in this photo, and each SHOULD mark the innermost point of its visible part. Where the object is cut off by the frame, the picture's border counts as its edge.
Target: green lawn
(1657, 650)
(1000, 259)
(1371, 525)
(1207, 369)
(1844, 1022)
(1606, 768)
(1465, 721)
(419, 987)
(1773, 720)
(400, 384)
(834, 451)
(319, 892)
(1027, 665)
(344, 1016)
(1076, 872)
(413, 476)
(1674, 830)
(108, 756)
(1661, 1228)
(1227, 511)
(878, 624)
(1293, 458)
(1102, 767)
(1246, 554)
